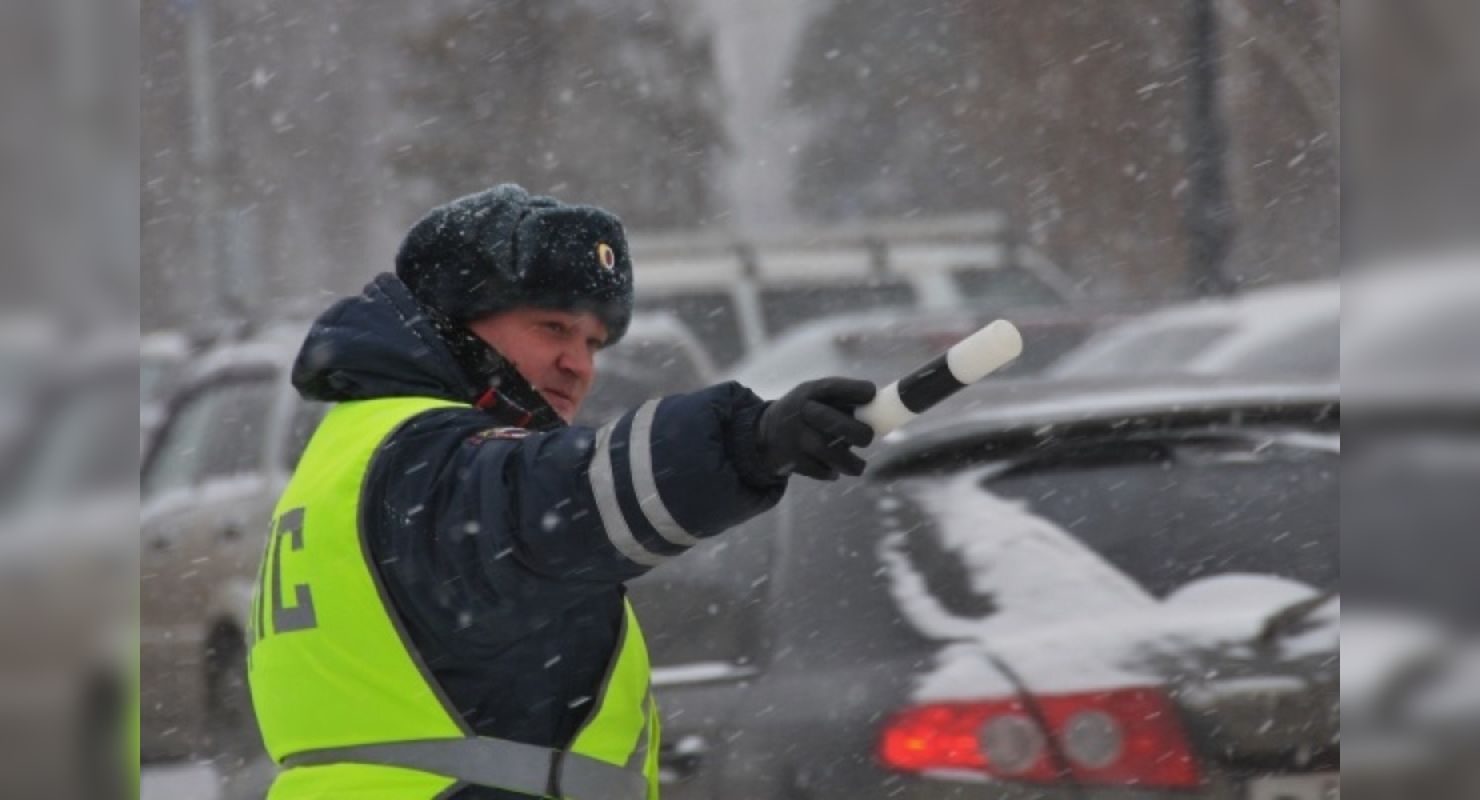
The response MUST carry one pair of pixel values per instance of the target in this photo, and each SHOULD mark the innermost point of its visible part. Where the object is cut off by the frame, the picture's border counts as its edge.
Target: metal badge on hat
(606, 254)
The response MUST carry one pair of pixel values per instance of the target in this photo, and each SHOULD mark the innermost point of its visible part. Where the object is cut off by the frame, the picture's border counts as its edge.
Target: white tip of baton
(886, 411)
(985, 351)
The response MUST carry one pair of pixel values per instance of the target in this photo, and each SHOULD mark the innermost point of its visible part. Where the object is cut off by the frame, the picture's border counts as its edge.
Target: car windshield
(1160, 513)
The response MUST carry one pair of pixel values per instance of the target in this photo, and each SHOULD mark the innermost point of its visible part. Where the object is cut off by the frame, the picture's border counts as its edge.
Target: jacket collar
(382, 343)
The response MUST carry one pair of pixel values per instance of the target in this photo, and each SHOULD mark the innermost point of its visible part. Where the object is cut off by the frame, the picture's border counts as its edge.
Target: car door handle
(681, 760)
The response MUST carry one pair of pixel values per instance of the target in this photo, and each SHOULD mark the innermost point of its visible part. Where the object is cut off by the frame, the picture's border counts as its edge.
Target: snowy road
(200, 781)
(187, 782)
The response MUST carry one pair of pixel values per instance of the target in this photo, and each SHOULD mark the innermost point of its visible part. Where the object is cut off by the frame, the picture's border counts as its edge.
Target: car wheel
(231, 735)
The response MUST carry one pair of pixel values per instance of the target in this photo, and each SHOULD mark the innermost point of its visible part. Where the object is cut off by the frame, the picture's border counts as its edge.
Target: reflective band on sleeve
(604, 490)
(645, 483)
(492, 763)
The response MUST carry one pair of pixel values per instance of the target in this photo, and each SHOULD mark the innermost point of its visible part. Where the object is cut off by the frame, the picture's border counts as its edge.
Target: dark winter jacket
(489, 539)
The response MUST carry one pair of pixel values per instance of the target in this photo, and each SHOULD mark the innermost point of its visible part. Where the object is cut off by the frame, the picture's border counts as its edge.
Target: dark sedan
(1124, 593)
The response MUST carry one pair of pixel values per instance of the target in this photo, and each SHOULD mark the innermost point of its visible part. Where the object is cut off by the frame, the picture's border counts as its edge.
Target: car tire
(231, 738)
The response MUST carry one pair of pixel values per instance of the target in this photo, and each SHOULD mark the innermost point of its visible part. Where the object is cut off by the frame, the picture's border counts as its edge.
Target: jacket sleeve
(596, 505)
(610, 504)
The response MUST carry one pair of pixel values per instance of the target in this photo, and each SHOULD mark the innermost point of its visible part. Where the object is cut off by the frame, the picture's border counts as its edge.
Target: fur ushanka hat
(504, 248)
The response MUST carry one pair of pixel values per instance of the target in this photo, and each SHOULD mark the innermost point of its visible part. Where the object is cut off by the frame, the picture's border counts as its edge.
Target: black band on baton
(928, 385)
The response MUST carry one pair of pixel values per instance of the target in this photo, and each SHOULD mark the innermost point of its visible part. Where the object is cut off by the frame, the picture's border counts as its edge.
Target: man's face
(554, 350)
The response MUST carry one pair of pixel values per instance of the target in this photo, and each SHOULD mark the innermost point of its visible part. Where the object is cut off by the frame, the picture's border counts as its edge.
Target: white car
(231, 438)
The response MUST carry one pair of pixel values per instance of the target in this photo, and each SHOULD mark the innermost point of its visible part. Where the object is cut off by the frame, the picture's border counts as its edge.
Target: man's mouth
(562, 401)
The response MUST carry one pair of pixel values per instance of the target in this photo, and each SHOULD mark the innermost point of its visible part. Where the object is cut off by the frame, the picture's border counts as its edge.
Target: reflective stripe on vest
(334, 679)
(499, 763)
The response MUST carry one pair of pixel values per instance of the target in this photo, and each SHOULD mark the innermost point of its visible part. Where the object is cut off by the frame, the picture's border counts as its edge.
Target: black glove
(810, 431)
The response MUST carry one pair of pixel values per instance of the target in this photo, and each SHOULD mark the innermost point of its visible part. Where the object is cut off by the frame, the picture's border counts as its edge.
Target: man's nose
(578, 359)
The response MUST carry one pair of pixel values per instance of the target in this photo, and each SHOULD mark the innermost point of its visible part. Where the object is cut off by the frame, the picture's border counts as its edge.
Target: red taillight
(1153, 750)
(1125, 737)
(950, 736)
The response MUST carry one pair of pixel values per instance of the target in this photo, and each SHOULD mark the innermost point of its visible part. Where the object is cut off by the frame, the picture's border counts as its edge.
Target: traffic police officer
(441, 611)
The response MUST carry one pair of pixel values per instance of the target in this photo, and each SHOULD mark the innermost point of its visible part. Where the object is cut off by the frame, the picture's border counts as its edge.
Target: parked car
(976, 599)
(1285, 331)
(232, 436)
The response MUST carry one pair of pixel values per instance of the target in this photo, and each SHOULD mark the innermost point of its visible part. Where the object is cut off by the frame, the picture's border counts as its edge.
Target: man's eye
(555, 327)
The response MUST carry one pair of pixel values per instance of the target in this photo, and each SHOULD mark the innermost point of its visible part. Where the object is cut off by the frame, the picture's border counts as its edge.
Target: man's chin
(564, 407)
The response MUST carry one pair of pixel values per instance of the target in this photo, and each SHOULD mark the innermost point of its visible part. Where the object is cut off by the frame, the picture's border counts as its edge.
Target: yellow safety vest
(342, 698)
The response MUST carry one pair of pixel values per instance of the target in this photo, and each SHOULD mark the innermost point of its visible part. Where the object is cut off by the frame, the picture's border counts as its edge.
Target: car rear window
(1168, 514)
